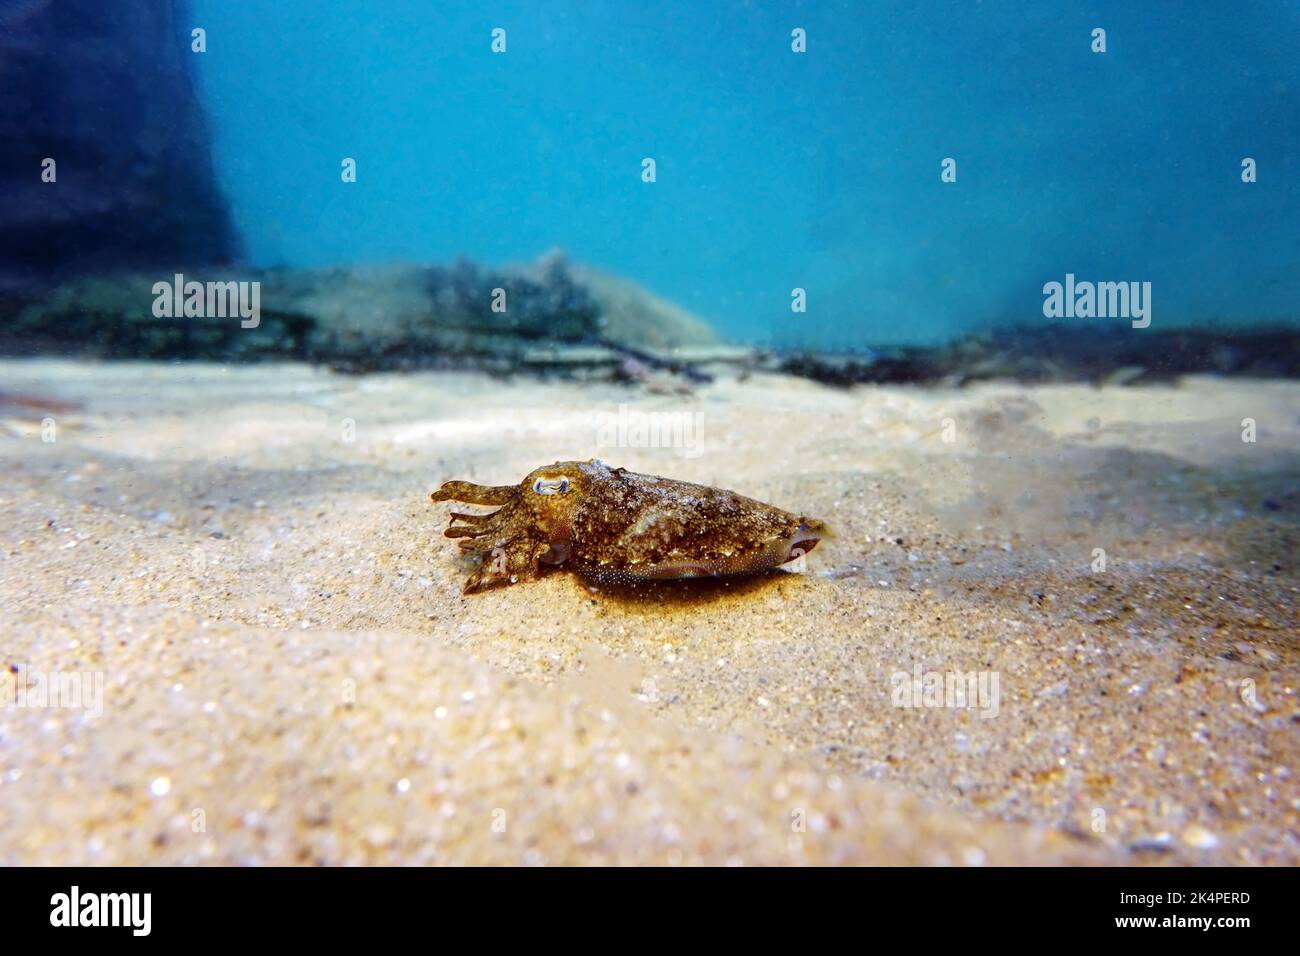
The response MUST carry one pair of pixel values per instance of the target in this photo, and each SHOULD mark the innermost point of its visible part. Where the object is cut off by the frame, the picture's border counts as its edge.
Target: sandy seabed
(248, 561)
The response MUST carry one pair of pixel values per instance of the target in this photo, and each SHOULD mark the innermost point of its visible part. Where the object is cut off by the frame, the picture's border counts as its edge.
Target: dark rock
(106, 90)
(1060, 353)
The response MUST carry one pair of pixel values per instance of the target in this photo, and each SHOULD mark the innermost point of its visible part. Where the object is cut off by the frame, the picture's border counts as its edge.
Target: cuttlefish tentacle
(472, 494)
(472, 526)
(478, 526)
(506, 550)
(476, 520)
(506, 561)
(462, 532)
(476, 530)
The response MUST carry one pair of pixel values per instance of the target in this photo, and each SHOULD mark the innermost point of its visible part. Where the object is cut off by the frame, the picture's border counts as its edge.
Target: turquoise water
(778, 170)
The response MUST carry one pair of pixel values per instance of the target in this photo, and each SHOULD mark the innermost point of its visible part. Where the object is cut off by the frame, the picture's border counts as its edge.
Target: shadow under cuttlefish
(646, 595)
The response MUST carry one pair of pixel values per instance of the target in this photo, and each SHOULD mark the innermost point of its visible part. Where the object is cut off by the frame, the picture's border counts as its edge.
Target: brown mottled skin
(616, 526)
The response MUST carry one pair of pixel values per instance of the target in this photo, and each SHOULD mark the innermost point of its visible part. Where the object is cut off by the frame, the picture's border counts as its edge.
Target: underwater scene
(591, 433)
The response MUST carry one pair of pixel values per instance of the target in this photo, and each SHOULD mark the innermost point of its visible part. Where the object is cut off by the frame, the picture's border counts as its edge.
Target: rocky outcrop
(106, 91)
(631, 314)
(361, 318)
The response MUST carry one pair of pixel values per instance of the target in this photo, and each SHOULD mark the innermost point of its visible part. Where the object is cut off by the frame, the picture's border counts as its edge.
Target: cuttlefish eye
(551, 486)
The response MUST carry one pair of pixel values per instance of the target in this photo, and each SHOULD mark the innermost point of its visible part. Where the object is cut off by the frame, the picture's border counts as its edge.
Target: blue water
(778, 170)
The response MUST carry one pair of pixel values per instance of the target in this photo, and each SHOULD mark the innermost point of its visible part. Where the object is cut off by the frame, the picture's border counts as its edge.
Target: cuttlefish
(614, 526)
